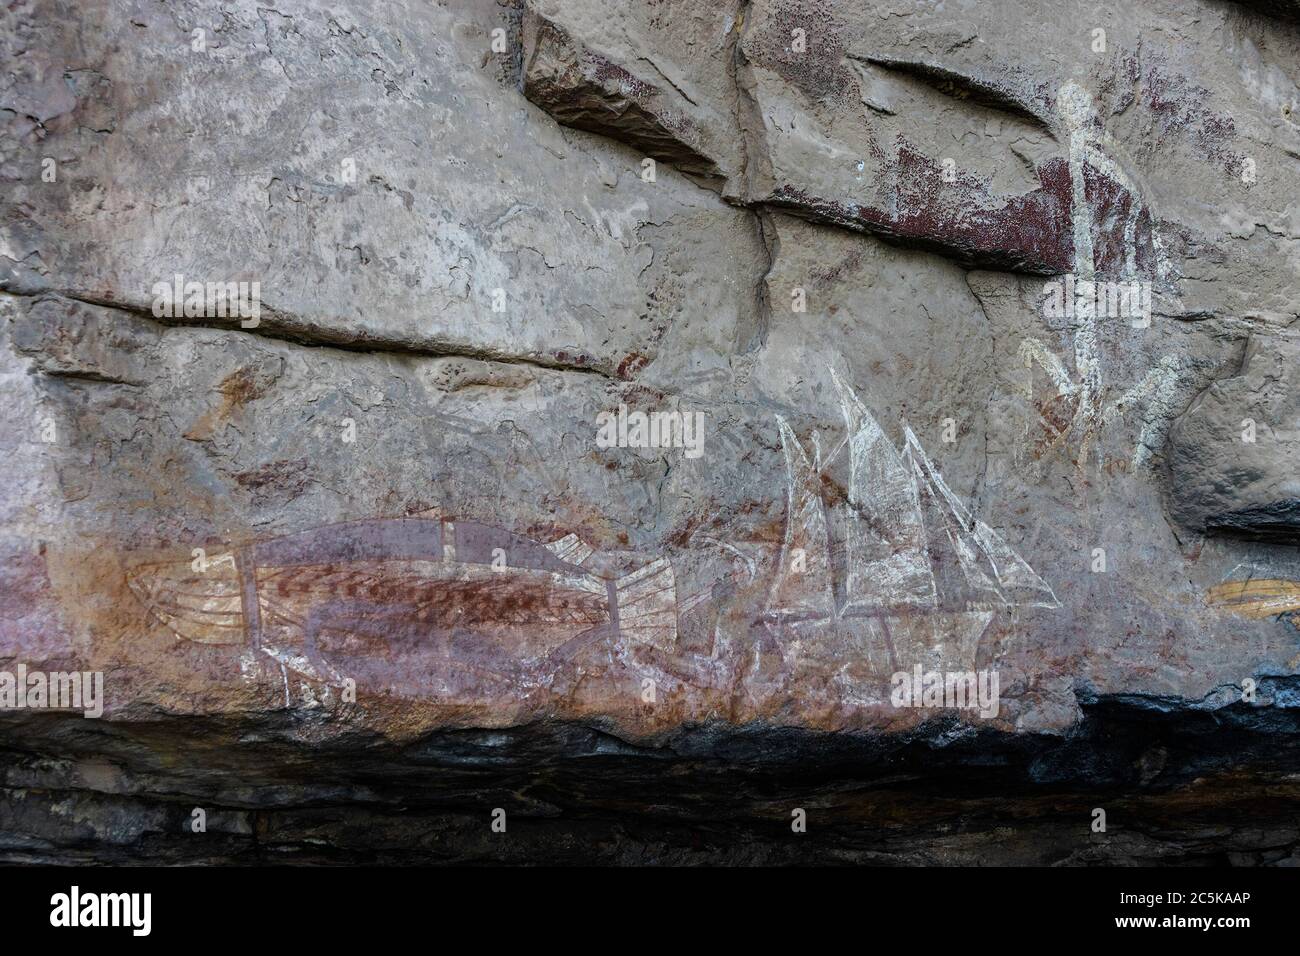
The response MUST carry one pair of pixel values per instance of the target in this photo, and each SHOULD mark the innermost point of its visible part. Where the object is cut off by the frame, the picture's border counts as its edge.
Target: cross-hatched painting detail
(421, 606)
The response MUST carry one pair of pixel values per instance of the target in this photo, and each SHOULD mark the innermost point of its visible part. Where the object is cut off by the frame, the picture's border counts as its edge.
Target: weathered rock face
(658, 389)
(1228, 478)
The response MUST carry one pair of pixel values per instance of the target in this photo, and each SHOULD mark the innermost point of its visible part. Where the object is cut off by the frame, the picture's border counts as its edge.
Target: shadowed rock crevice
(585, 90)
(1233, 454)
(1178, 786)
(1278, 522)
(295, 330)
(1282, 9)
(964, 88)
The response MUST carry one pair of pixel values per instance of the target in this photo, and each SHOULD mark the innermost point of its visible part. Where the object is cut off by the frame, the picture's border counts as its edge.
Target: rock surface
(1234, 454)
(359, 565)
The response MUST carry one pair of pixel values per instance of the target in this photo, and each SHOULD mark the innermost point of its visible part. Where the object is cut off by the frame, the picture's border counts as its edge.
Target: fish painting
(424, 606)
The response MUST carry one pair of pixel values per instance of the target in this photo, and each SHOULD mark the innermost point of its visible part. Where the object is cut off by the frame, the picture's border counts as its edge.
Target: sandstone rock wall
(847, 239)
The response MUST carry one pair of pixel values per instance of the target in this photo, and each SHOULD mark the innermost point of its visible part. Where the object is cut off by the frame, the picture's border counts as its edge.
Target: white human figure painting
(1085, 386)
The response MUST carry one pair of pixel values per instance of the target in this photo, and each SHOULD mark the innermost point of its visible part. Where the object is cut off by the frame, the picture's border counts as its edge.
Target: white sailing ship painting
(914, 564)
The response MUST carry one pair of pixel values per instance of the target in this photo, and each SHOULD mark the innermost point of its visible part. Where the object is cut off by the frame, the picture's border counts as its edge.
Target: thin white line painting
(917, 566)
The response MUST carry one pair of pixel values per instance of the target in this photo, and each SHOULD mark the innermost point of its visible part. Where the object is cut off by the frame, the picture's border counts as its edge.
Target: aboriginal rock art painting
(918, 569)
(430, 607)
(1094, 172)
(449, 607)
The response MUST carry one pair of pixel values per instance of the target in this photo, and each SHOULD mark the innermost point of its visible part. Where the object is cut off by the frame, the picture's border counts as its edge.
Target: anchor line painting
(424, 598)
(914, 556)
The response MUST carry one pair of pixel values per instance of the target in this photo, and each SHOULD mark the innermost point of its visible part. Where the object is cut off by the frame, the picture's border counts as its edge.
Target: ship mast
(801, 591)
(911, 544)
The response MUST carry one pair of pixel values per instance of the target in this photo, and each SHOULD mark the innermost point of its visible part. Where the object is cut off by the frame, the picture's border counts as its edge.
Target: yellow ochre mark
(1256, 598)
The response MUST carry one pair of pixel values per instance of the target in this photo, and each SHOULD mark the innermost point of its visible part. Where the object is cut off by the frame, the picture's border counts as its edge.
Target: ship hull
(945, 642)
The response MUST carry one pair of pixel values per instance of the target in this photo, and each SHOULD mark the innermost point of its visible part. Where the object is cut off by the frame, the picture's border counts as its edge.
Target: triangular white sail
(910, 542)
(1021, 585)
(886, 540)
(952, 524)
(802, 588)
